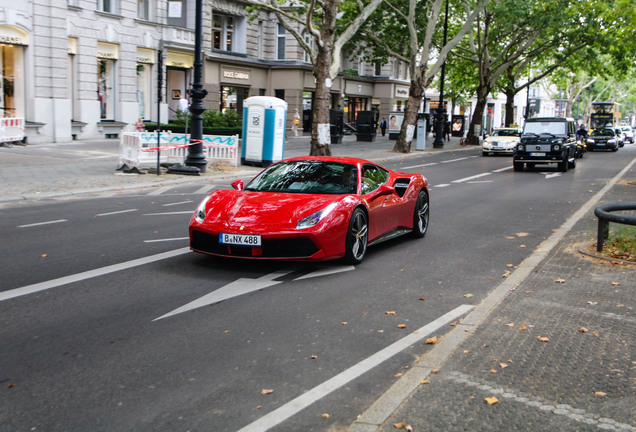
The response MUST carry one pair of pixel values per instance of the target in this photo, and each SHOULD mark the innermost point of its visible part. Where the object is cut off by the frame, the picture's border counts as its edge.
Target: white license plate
(537, 154)
(240, 239)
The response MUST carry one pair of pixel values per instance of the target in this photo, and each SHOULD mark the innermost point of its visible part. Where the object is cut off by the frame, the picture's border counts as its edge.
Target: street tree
(321, 19)
(410, 31)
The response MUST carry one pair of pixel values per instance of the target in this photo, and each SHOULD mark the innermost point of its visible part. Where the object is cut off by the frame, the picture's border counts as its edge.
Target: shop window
(143, 9)
(222, 32)
(280, 43)
(12, 82)
(109, 6)
(144, 90)
(105, 88)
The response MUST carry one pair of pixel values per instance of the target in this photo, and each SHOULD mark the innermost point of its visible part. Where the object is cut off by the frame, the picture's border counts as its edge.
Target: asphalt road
(109, 323)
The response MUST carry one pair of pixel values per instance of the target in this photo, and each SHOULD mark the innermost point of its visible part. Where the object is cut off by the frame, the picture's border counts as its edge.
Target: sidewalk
(550, 349)
(81, 167)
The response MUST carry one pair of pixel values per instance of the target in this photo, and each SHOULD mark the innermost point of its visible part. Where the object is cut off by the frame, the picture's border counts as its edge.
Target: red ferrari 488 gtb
(311, 208)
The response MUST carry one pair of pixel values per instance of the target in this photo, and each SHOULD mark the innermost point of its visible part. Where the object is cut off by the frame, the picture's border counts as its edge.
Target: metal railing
(604, 215)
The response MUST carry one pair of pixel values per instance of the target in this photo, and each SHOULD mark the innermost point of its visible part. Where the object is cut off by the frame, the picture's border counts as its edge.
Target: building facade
(83, 69)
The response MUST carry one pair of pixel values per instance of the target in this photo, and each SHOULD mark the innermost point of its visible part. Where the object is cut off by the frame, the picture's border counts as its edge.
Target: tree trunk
(510, 106)
(321, 133)
(407, 130)
(478, 113)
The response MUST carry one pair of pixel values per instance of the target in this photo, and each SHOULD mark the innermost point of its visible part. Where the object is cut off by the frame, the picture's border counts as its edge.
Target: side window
(372, 178)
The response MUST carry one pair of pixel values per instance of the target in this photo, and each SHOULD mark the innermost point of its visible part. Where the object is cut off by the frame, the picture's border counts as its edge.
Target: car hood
(502, 139)
(262, 211)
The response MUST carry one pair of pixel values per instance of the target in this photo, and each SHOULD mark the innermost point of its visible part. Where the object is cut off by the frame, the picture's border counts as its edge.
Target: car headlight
(556, 147)
(314, 218)
(590, 141)
(199, 213)
(612, 141)
(520, 147)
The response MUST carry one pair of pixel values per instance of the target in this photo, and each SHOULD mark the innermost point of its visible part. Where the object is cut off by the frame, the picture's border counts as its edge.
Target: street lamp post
(441, 109)
(195, 161)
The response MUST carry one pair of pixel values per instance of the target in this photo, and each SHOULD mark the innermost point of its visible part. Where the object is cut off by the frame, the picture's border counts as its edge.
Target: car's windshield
(315, 177)
(603, 132)
(505, 132)
(546, 127)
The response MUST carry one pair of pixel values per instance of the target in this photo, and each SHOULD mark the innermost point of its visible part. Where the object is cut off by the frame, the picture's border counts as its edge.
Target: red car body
(277, 218)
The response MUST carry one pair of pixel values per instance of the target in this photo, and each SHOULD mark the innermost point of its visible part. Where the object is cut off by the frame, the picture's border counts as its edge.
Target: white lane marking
(480, 181)
(442, 185)
(551, 175)
(116, 212)
(284, 412)
(454, 160)
(43, 223)
(168, 239)
(54, 283)
(465, 179)
(204, 190)
(233, 289)
(418, 166)
(177, 203)
(538, 402)
(160, 190)
(502, 169)
(326, 272)
(169, 213)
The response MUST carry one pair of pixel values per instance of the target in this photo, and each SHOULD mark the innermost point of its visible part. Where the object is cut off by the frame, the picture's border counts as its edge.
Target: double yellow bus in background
(604, 114)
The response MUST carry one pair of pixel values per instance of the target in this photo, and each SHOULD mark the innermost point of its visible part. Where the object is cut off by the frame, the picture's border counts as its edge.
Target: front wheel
(420, 215)
(518, 166)
(357, 237)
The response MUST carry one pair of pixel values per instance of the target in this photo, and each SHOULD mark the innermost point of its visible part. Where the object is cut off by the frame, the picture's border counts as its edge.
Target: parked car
(628, 133)
(546, 140)
(311, 208)
(620, 136)
(501, 141)
(603, 139)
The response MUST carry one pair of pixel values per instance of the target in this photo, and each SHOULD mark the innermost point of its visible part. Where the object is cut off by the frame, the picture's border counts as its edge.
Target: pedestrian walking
(383, 125)
(447, 130)
(295, 122)
(139, 126)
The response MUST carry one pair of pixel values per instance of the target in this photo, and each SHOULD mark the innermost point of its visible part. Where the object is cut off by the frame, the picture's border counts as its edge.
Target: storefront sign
(13, 36)
(107, 51)
(174, 59)
(145, 55)
(235, 74)
(401, 92)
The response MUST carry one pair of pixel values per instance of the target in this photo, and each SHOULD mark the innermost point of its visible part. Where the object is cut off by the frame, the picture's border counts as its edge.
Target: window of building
(109, 6)
(309, 40)
(105, 88)
(222, 32)
(11, 81)
(143, 9)
(177, 13)
(280, 43)
(259, 40)
(361, 66)
(377, 68)
(144, 90)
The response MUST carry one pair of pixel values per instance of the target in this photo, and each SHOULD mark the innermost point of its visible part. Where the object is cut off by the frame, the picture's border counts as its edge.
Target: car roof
(346, 160)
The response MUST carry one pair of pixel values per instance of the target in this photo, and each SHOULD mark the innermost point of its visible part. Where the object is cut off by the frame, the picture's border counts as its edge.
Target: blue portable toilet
(263, 130)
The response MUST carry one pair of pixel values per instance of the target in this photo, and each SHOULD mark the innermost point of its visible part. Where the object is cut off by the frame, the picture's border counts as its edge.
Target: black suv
(546, 140)
(604, 139)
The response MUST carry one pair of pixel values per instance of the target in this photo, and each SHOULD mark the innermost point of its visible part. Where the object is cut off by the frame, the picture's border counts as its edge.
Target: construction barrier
(139, 149)
(11, 129)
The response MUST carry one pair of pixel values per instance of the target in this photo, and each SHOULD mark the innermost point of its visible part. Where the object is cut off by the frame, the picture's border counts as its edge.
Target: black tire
(484, 153)
(563, 165)
(572, 164)
(518, 166)
(357, 237)
(421, 215)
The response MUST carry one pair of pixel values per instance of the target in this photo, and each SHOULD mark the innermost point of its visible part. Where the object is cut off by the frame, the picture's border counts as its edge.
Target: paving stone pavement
(581, 378)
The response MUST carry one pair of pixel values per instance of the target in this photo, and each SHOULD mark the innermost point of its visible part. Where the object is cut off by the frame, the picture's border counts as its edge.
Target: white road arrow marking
(327, 271)
(233, 289)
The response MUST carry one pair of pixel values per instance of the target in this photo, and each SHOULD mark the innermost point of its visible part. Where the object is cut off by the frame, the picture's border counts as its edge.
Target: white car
(628, 133)
(501, 141)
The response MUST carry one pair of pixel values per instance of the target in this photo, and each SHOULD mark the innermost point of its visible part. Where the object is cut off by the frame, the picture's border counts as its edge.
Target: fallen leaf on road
(493, 370)
(522, 246)
(506, 274)
(491, 400)
(510, 324)
(397, 375)
(425, 382)
(583, 330)
(600, 393)
(523, 327)
(503, 365)
(422, 299)
(325, 416)
(522, 234)
(469, 295)
(44, 255)
(390, 312)
(510, 265)
(313, 357)
(616, 283)
(431, 341)
(595, 334)
(267, 391)
(401, 325)
(543, 339)
(453, 324)
(559, 281)
(344, 323)
(399, 425)
(592, 303)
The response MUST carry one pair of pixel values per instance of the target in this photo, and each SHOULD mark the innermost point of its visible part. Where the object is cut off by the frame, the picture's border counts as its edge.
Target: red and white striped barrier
(139, 149)
(11, 129)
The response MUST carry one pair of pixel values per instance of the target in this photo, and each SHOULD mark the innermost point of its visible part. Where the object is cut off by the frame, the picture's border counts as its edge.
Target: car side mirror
(385, 189)
(238, 184)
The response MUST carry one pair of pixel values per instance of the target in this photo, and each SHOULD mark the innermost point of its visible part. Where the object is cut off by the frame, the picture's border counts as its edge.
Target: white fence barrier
(139, 149)
(11, 129)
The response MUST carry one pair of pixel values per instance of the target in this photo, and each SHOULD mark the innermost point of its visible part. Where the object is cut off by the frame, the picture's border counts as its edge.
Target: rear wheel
(420, 215)
(357, 237)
